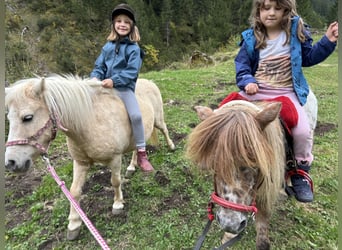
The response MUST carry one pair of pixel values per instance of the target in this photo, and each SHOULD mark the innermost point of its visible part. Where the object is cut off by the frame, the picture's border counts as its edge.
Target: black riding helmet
(123, 9)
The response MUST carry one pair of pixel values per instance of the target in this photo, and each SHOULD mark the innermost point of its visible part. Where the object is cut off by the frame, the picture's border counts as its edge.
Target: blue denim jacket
(302, 55)
(121, 65)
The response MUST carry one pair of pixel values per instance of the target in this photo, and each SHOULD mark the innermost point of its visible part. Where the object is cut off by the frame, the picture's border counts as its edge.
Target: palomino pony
(243, 145)
(93, 119)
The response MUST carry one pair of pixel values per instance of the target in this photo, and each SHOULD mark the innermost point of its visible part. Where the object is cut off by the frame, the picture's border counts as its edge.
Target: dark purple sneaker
(302, 188)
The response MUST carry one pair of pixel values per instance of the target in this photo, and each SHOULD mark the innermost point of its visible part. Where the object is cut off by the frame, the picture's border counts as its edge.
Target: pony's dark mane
(231, 138)
(224, 136)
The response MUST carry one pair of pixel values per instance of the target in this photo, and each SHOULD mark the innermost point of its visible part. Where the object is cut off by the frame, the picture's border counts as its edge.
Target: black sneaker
(302, 188)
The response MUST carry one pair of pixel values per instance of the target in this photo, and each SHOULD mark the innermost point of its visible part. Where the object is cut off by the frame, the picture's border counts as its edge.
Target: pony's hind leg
(115, 166)
(131, 168)
(161, 125)
(79, 177)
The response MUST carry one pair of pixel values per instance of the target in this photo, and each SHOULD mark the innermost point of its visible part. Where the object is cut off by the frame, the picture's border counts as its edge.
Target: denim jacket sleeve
(245, 67)
(314, 54)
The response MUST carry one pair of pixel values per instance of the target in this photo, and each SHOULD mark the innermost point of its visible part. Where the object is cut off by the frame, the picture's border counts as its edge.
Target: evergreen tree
(67, 36)
(333, 13)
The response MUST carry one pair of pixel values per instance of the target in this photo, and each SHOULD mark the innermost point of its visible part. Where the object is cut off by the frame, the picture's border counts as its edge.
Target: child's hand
(107, 83)
(332, 32)
(251, 88)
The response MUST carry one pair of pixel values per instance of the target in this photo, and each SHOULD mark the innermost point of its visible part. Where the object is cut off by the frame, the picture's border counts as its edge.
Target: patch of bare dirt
(97, 185)
(323, 128)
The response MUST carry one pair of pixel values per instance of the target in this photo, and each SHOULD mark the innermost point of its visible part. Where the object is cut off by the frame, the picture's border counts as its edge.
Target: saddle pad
(288, 112)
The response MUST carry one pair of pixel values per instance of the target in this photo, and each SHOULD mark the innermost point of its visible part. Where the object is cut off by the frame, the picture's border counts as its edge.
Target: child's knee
(136, 118)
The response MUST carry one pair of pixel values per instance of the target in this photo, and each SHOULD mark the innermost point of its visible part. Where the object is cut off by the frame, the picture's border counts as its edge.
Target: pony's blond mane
(69, 97)
(231, 138)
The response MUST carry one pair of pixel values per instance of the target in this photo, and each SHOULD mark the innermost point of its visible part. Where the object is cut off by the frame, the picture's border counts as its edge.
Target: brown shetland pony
(242, 144)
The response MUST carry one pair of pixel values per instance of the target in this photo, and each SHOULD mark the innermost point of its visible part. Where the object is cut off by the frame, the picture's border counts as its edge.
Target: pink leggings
(302, 134)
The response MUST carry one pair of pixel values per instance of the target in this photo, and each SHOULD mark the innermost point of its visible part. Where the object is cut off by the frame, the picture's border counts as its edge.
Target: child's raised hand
(332, 32)
(251, 88)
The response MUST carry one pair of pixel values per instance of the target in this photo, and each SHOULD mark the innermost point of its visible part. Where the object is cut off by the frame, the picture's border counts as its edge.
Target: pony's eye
(27, 118)
(244, 169)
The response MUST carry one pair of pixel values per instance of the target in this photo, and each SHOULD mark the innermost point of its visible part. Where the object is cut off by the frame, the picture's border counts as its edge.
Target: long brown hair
(290, 11)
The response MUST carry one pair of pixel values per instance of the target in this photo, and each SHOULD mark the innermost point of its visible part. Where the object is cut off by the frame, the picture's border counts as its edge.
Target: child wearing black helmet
(118, 67)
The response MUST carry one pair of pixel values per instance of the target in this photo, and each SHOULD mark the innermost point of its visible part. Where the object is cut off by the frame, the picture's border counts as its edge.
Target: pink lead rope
(79, 210)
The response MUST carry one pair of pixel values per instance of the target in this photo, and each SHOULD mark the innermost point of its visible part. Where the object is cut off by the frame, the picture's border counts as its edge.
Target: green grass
(172, 215)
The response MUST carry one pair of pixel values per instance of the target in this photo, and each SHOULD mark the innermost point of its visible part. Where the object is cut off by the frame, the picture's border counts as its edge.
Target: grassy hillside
(168, 210)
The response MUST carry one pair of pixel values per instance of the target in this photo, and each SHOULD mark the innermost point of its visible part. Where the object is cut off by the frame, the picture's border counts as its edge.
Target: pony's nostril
(13, 166)
(243, 224)
(10, 165)
(27, 165)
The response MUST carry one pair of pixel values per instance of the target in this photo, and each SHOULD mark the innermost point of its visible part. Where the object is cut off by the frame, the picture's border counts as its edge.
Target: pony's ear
(203, 112)
(39, 87)
(268, 114)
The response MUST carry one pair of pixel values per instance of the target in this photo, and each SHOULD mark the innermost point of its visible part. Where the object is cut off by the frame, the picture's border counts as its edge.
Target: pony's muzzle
(13, 165)
(234, 223)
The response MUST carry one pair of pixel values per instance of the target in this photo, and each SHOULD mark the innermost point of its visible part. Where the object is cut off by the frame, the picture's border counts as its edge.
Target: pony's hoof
(172, 147)
(125, 181)
(263, 246)
(227, 236)
(129, 173)
(117, 211)
(73, 235)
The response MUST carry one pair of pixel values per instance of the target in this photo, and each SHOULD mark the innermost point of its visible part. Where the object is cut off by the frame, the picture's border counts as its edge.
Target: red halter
(214, 198)
(238, 207)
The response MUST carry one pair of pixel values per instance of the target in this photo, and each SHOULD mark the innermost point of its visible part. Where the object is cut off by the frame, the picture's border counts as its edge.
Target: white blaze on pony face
(240, 193)
(26, 115)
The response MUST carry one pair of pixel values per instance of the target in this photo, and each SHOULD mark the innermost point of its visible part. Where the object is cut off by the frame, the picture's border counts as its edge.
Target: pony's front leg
(115, 166)
(79, 177)
(262, 225)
